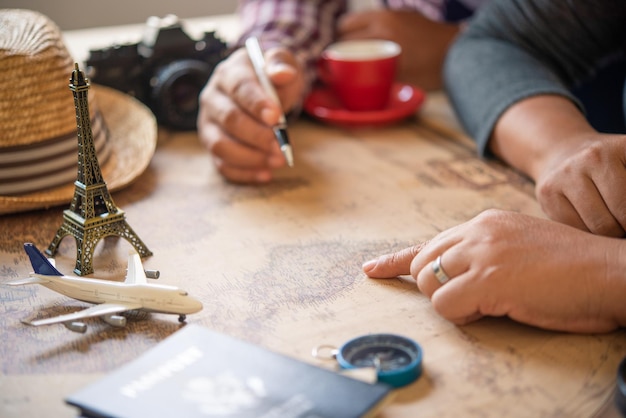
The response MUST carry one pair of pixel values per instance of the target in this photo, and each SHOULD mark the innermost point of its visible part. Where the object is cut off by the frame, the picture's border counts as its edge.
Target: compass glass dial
(396, 359)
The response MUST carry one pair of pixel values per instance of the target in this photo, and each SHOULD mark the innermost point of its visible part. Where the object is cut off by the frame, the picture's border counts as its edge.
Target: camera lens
(175, 91)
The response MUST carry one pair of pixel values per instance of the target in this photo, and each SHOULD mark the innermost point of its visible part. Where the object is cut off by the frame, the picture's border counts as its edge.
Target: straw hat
(38, 143)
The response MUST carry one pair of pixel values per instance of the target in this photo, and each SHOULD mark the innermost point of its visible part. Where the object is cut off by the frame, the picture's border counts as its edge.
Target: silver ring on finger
(440, 273)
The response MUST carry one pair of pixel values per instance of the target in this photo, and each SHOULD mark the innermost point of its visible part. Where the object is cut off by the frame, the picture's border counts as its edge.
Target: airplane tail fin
(135, 273)
(41, 265)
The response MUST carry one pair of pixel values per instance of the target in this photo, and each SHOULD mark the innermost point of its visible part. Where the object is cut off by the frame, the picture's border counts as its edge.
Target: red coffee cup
(360, 72)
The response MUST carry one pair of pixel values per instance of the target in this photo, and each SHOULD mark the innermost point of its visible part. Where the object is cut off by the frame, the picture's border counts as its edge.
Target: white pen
(258, 62)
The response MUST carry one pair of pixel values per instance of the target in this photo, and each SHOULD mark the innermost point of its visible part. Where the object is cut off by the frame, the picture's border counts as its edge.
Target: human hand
(533, 270)
(424, 42)
(579, 173)
(583, 184)
(236, 115)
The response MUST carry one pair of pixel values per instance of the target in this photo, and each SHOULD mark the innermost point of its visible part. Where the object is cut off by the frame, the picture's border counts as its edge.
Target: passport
(197, 372)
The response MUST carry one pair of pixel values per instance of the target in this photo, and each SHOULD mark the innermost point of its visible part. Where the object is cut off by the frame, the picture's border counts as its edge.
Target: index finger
(392, 265)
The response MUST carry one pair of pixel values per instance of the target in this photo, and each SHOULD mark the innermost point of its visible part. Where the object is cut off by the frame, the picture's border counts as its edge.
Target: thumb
(392, 265)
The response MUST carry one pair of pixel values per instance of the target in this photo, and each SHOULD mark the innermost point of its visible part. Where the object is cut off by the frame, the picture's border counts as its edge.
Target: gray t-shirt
(514, 49)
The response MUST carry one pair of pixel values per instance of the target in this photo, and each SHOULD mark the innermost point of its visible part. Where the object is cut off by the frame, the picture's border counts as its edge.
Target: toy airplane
(111, 297)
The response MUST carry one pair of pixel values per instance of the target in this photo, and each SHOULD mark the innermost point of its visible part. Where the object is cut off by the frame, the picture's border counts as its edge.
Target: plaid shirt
(307, 26)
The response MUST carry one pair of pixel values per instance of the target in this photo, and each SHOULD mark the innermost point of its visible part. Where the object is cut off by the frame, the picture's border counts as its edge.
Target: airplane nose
(196, 305)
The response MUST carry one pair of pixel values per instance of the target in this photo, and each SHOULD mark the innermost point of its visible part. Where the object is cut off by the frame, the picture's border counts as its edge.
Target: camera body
(166, 70)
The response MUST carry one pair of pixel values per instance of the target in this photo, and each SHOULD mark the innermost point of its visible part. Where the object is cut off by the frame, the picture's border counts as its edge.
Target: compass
(396, 359)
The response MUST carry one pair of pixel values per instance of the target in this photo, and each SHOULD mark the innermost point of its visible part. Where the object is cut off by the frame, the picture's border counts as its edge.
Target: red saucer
(405, 100)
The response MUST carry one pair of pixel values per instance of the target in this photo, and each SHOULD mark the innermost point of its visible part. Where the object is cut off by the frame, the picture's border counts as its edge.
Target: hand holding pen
(237, 115)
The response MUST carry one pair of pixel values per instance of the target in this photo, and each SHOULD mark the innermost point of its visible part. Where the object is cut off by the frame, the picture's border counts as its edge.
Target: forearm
(613, 285)
(536, 133)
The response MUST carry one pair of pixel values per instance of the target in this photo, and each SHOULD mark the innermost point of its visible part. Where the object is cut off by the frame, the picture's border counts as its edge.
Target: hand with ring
(535, 271)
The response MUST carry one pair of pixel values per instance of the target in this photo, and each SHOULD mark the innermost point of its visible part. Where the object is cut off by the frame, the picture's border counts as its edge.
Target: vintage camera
(166, 70)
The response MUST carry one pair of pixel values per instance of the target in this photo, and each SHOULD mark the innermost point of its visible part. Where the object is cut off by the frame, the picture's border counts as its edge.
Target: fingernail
(269, 116)
(277, 66)
(263, 176)
(369, 265)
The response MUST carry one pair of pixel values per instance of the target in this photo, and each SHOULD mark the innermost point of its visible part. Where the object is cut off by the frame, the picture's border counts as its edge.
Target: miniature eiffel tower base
(88, 232)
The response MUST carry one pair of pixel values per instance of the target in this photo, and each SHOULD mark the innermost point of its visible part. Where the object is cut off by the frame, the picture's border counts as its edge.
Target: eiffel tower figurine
(92, 214)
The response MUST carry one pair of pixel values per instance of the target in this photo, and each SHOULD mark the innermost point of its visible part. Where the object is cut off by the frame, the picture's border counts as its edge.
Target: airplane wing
(96, 310)
(135, 273)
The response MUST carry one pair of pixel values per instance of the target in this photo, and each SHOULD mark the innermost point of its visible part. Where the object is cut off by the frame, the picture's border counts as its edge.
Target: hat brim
(133, 138)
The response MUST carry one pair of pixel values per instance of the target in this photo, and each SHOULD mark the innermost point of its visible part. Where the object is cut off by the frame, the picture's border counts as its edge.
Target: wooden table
(279, 265)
